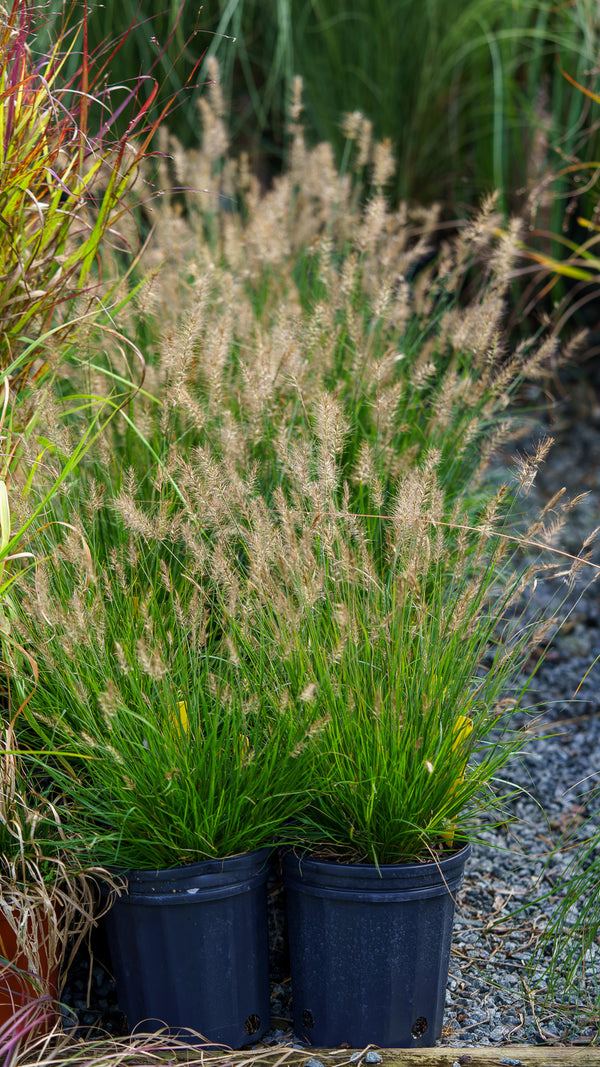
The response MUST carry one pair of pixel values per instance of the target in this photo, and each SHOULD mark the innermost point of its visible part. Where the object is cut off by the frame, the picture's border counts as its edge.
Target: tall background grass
(470, 94)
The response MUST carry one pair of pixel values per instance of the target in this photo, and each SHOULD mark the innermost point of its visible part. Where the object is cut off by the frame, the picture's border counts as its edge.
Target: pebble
(372, 1057)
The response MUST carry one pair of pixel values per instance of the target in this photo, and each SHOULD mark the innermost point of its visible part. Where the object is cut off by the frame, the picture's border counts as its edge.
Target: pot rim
(314, 859)
(388, 882)
(209, 865)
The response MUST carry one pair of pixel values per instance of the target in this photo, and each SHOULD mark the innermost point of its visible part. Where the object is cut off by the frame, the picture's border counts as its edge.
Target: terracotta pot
(19, 986)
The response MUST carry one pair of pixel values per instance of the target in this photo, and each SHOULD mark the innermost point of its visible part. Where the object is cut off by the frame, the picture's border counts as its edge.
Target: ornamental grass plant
(567, 953)
(63, 179)
(292, 601)
(168, 736)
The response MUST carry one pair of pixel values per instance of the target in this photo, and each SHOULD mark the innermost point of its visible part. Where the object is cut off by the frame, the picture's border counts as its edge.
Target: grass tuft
(287, 589)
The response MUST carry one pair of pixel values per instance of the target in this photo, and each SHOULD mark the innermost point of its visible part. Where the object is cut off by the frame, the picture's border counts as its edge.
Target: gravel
(496, 988)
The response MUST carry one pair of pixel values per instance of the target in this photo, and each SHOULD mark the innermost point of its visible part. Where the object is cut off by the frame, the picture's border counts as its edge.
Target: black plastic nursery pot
(189, 949)
(370, 949)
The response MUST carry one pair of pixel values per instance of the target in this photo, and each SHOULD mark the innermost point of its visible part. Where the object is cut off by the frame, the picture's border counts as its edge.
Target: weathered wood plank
(442, 1056)
(505, 1056)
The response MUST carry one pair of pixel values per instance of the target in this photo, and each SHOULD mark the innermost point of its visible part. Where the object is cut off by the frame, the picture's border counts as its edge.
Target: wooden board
(504, 1056)
(441, 1056)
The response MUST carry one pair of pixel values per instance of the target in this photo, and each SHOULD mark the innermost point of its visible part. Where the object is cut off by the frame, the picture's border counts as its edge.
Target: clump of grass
(240, 671)
(289, 551)
(173, 738)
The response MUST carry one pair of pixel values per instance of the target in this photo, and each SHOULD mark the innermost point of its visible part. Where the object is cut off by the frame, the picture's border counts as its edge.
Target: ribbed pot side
(189, 949)
(370, 949)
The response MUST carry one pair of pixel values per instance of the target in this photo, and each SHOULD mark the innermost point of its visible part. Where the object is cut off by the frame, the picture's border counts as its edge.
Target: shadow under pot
(189, 950)
(370, 949)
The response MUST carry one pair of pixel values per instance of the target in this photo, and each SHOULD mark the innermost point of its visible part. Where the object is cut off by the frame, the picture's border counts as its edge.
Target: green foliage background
(468, 92)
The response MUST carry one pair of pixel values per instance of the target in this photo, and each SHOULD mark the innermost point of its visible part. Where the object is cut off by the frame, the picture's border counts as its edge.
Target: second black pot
(370, 949)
